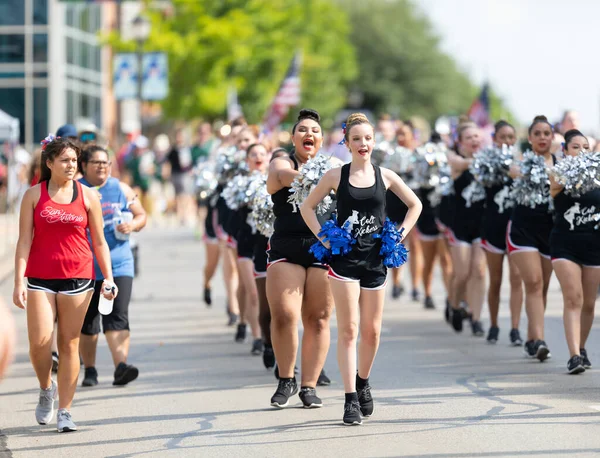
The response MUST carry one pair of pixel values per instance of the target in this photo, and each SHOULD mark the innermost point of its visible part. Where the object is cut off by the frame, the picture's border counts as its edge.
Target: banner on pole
(125, 74)
(155, 82)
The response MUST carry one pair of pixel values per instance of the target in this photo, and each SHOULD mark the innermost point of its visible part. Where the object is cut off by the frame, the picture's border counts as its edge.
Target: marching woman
(54, 253)
(297, 285)
(495, 222)
(528, 232)
(211, 246)
(358, 279)
(575, 250)
(468, 258)
(116, 199)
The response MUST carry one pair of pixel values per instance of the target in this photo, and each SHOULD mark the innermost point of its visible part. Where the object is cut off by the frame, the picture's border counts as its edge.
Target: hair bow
(47, 140)
(344, 132)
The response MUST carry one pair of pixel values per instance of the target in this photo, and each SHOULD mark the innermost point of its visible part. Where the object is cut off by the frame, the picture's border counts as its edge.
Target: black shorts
(245, 242)
(445, 213)
(530, 237)
(467, 232)
(118, 320)
(293, 250)
(69, 287)
(493, 232)
(368, 275)
(582, 248)
(210, 224)
(260, 256)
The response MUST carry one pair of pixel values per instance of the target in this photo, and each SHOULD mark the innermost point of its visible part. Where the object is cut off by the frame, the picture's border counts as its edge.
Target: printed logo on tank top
(580, 216)
(502, 199)
(57, 215)
(366, 224)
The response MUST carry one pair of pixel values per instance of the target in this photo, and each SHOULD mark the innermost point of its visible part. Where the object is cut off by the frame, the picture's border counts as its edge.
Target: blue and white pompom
(261, 218)
(491, 165)
(532, 187)
(578, 174)
(399, 160)
(205, 180)
(307, 180)
(393, 250)
(474, 192)
(339, 238)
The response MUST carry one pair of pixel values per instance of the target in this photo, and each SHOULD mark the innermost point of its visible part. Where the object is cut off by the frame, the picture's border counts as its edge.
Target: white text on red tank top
(55, 215)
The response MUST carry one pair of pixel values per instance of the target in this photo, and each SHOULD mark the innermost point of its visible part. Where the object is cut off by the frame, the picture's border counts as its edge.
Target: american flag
(287, 96)
(479, 111)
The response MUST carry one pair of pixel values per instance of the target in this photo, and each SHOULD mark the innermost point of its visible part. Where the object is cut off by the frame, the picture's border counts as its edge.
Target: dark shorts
(531, 237)
(69, 287)
(578, 247)
(427, 227)
(210, 224)
(118, 320)
(260, 256)
(467, 232)
(493, 232)
(245, 243)
(369, 276)
(293, 250)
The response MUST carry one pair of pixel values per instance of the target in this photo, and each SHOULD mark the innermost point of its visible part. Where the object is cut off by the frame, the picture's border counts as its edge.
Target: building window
(71, 50)
(12, 49)
(12, 13)
(40, 47)
(13, 103)
(40, 113)
(40, 12)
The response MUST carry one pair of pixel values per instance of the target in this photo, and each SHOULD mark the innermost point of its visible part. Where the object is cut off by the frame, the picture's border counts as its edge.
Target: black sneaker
(240, 335)
(54, 362)
(323, 380)
(493, 333)
(91, 377)
(276, 371)
(125, 373)
(586, 361)
(285, 390)
(352, 413)
(575, 365)
(457, 320)
(529, 349)
(415, 295)
(397, 291)
(542, 352)
(257, 347)
(477, 328)
(268, 356)
(207, 297)
(309, 398)
(429, 303)
(365, 400)
(447, 312)
(233, 318)
(515, 338)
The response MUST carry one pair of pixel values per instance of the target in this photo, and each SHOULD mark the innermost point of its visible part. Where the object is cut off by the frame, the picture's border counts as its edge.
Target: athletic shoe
(240, 335)
(207, 297)
(397, 291)
(54, 362)
(575, 365)
(415, 295)
(586, 361)
(493, 333)
(529, 349)
(65, 422)
(515, 338)
(233, 318)
(542, 352)
(365, 400)
(91, 377)
(309, 398)
(257, 347)
(457, 320)
(352, 413)
(268, 356)
(323, 380)
(125, 373)
(285, 390)
(45, 408)
(276, 371)
(477, 328)
(429, 303)
(447, 312)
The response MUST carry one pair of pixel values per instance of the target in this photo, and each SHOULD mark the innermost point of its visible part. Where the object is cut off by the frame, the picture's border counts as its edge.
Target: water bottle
(104, 305)
(120, 217)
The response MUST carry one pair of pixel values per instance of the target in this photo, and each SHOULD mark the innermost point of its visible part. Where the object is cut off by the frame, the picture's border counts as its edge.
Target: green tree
(213, 45)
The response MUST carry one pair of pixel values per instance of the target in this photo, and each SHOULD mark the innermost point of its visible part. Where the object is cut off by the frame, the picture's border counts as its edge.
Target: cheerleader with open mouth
(358, 275)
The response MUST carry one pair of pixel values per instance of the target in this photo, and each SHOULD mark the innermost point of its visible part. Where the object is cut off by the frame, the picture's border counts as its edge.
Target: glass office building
(50, 65)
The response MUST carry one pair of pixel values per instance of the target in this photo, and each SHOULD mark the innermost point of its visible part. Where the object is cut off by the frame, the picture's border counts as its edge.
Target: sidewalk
(9, 232)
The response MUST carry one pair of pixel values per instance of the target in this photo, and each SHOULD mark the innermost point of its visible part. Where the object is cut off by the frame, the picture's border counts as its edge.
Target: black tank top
(462, 211)
(577, 214)
(364, 209)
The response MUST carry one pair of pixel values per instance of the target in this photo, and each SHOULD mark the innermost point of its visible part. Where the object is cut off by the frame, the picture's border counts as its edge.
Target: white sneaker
(64, 421)
(45, 408)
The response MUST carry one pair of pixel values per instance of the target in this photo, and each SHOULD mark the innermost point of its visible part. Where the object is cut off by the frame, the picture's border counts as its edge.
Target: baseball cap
(141, 142)
(68, 130)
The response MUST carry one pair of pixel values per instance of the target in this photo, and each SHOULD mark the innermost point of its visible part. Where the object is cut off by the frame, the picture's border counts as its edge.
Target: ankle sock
(351, 397)
(361, 382)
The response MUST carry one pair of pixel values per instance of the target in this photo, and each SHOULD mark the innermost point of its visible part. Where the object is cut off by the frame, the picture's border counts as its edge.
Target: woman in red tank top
(54, 253)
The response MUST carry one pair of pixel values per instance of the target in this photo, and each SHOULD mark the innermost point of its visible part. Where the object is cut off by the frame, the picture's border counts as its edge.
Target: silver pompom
(474, 192)
(381, 151)
(261, 218)
(238, 192)
(532, 187)
(307, 180)
(490, 166)
(430, 165)
(578, 174)
(399, 160)
(229, 163)
(205, 180)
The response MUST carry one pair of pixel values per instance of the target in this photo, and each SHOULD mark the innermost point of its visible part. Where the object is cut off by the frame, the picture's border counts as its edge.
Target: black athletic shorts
(210, 224)
(118, 320)
(369, 276)
(468, 231)
(293, 250)
(69, 287)
(260, 256)
(530, 237)
(582, 248)
(493, 231)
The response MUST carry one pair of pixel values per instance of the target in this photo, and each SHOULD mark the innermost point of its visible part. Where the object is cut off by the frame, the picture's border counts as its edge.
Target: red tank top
(60, 248)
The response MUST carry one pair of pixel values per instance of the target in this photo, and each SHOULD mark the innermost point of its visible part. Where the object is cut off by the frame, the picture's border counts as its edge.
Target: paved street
(200, 394)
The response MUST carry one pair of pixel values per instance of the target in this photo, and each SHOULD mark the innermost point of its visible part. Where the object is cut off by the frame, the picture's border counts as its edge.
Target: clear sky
(539, 55)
